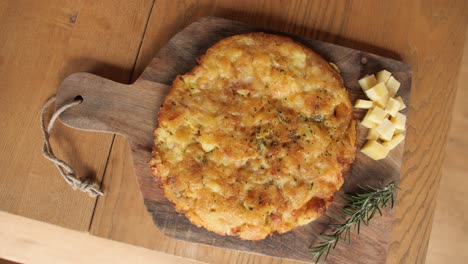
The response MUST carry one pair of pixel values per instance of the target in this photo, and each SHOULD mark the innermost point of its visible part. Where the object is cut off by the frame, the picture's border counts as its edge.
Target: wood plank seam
(141, 42)
(46, 41)
(150, 11)
(101, 183)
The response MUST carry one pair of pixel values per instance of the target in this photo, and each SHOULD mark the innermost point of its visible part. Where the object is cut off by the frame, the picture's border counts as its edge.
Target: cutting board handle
(112, 107)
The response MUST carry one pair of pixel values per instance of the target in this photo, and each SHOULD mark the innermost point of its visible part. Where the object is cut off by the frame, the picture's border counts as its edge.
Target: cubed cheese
(386, 130)
(367, 82)
(396, 139)
(399, 121)
(372, 134)
(375, 150)
(392, 85)
(383, 76)
(378, 93)
(392, 107)
(366, 122)
(402, 104)
(363, 104)
(377, 115)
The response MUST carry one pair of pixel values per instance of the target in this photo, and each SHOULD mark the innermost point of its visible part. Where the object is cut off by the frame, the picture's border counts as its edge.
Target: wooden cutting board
(131, 111)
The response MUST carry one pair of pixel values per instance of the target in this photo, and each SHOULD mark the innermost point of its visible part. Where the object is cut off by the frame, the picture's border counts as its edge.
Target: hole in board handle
(78, 98)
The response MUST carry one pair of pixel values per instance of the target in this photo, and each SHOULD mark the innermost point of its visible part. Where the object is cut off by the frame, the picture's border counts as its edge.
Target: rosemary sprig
(361, 208)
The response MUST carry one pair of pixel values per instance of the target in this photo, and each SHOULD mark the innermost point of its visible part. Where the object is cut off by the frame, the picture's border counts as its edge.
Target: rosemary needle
(361, 208)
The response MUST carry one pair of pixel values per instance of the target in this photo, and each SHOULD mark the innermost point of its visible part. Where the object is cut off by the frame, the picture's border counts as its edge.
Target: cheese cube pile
(385, 122)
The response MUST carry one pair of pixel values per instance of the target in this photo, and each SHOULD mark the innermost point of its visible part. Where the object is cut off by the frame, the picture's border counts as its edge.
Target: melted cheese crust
(255, 139)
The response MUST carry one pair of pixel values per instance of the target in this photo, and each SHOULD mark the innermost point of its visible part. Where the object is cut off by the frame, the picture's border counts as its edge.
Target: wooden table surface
(451, 214)
(41, 42)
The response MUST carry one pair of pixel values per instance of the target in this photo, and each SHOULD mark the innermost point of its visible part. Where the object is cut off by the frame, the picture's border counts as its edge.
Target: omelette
(256, 138)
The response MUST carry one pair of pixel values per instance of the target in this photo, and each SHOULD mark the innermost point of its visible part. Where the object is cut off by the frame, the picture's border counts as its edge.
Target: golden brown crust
(255, 139)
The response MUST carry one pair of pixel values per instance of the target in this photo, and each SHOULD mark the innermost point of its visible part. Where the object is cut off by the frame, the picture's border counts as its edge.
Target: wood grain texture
(433, 95)
(131, 110)
(31, 241)
(451, 213)
(409, 31)
(41, 42)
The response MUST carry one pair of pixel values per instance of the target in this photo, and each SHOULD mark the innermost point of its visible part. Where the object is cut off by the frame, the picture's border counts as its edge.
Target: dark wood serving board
(131, 111)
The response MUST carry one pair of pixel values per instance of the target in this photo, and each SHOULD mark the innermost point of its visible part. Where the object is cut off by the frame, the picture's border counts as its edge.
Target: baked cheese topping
(256, 138)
